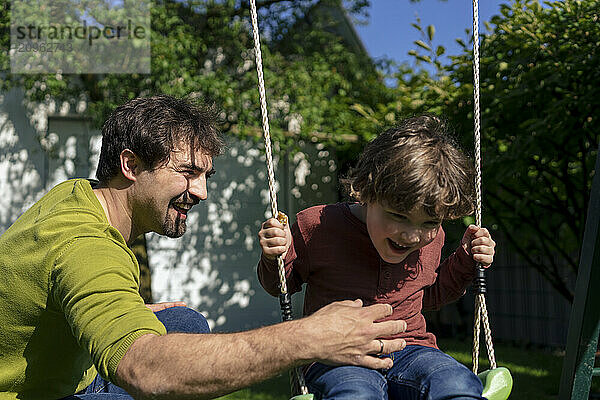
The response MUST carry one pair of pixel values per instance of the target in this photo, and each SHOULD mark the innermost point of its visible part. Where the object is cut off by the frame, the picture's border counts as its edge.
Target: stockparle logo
(80, 37)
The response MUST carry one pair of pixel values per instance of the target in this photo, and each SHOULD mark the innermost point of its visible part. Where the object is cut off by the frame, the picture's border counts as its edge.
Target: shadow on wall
(40, 147)
(22, 159)
(213, 266)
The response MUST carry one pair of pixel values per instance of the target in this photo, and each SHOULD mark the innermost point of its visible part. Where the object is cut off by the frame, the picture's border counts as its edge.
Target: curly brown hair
(416, 163)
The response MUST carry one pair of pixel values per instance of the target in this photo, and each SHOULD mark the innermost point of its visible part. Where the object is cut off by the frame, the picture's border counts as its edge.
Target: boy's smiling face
(397, 234)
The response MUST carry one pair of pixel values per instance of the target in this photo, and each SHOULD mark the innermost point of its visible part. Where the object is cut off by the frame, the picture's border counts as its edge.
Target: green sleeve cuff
(121, 347)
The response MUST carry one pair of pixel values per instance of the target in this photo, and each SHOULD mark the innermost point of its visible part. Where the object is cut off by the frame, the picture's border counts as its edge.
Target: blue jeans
(419, 373)
(175, 319)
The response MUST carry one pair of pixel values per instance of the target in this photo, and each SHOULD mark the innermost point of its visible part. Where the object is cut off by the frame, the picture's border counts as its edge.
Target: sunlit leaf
(422, 44)
(430, 32)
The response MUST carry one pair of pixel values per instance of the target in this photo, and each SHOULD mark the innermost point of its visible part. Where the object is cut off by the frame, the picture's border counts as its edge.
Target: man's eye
(188, 173)
(210, 173)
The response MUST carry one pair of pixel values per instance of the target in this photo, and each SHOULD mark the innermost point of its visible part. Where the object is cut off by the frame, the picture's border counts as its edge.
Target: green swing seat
(497, 383)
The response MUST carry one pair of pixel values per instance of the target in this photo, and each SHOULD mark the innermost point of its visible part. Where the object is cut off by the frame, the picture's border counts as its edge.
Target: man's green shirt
(69, 302)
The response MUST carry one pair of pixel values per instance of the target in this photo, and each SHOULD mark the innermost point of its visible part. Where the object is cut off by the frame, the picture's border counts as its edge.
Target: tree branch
(514, 193)
(532, 223)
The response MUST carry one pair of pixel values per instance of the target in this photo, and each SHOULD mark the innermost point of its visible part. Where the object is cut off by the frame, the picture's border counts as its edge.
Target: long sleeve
(454, 275)
(95, 283)
(296, 266)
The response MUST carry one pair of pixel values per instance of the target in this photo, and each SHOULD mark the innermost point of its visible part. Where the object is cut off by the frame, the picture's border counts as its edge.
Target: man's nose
(197, 188)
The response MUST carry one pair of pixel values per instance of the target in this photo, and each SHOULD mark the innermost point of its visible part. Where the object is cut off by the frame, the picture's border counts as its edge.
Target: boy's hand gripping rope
(284, 297)
(481, 314)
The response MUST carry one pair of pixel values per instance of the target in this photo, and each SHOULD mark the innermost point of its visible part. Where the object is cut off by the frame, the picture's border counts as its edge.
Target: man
(69, 306)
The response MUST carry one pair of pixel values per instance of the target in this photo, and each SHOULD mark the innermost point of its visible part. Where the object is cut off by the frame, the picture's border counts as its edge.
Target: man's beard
(174, 227)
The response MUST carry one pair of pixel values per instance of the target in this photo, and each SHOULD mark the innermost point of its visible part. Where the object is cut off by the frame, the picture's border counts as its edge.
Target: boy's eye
(396, 216)
(210, 173)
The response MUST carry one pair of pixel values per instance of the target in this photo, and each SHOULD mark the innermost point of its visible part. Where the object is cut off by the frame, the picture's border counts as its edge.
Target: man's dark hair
(152, 127)
(415, 164)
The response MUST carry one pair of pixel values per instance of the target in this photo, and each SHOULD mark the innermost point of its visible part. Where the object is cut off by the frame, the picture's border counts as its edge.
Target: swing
(285, 301)
(497, 381)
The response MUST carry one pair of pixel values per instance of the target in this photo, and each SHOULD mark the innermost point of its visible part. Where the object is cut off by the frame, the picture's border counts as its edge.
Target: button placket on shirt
(385, 279)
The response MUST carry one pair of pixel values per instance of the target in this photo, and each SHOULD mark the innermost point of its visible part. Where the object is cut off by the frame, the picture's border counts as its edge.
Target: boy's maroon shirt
(333, 253)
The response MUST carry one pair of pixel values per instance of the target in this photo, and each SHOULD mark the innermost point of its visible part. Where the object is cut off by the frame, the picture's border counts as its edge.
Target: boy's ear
(130, 164)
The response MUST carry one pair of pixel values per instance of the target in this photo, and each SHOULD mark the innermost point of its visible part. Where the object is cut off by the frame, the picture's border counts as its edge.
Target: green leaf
(430, 32)
(468, 220)
(417, 27)
(422, 44)
(440, 50)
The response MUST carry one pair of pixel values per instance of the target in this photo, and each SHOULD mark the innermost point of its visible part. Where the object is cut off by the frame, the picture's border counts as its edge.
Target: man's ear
(130, 164)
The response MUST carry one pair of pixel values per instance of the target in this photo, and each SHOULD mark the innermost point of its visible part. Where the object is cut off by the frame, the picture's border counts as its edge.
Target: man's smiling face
(165, 194)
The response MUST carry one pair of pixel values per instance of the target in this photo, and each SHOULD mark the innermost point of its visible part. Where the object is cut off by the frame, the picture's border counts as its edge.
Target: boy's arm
(268, 276)
(456, 273)
(296, 266)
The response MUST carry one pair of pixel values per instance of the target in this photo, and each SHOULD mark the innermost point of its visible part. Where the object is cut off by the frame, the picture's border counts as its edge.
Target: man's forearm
(209, 365)
(179, 366)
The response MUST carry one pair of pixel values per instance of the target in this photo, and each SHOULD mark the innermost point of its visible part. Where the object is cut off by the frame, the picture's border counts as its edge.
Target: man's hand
(161, 306)
(347, 333)
(478, 243)
(274, 238)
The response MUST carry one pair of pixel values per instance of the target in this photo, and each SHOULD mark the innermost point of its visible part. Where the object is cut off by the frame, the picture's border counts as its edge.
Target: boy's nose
(411, 237)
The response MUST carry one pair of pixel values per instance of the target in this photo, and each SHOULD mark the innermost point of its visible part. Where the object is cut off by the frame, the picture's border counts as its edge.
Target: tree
(540, 85)
(205, 48)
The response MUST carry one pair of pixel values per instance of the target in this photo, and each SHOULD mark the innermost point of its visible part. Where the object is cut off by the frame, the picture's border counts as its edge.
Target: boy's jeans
(175, 319)
(419, 373)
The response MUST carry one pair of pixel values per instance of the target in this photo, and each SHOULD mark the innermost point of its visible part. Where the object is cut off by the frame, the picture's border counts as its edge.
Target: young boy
(385, 248)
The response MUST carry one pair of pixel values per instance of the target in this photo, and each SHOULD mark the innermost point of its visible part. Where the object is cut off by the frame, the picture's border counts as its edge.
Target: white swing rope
(266, 131)
(481, 314)
(269, 158)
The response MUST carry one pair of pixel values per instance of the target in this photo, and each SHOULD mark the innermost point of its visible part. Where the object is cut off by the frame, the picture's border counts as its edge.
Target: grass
(536, 373)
